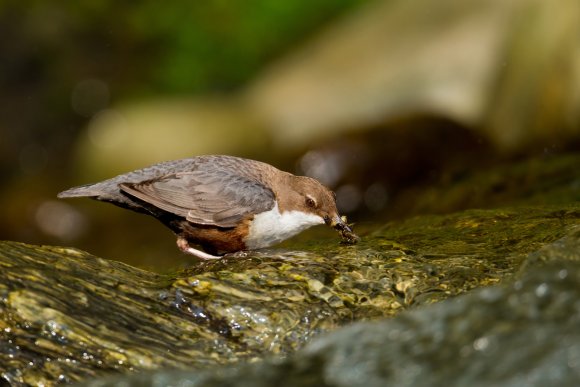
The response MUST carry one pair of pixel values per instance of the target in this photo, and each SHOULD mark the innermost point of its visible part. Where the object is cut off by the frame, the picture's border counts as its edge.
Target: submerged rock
(66, 315)
(524, 333)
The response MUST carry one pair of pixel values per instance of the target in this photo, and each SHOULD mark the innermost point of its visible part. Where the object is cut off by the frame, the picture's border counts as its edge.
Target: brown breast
(213, 239)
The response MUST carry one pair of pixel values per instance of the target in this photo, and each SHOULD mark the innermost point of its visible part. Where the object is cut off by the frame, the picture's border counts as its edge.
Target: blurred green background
(375, 98)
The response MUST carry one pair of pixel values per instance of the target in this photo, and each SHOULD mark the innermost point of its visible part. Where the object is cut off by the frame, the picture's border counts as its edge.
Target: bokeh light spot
(60, 220)
(108, 129)
(348, 198)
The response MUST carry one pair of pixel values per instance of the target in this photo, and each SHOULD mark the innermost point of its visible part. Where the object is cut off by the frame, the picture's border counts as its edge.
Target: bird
(222, 204)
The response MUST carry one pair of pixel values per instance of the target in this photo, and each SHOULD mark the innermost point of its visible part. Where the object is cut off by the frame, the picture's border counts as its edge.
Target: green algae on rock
(66, 315)
(521, 333)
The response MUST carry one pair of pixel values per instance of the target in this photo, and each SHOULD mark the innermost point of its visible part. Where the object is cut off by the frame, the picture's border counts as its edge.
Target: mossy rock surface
(523, 332)
(66, 315)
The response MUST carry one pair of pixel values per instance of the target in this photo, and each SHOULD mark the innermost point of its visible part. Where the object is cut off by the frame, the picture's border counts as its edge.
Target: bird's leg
(184, 246)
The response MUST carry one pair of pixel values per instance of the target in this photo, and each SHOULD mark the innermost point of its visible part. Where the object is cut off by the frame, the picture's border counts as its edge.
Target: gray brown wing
(219, 199)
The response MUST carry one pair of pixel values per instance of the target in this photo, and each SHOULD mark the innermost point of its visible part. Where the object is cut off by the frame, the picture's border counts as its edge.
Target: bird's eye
(310, 202)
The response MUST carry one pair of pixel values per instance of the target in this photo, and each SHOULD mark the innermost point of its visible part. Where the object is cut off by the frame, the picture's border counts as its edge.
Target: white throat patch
(271, 227)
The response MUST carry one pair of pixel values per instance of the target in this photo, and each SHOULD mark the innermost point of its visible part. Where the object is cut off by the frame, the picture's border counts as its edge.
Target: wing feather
(219, 198)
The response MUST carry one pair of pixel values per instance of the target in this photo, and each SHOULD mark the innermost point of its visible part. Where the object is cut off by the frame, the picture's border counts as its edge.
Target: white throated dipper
(224, 204)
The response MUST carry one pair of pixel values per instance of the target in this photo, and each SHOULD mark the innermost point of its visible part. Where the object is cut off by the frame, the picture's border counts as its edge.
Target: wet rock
(523, 333)
(549, 179)
(66, 315)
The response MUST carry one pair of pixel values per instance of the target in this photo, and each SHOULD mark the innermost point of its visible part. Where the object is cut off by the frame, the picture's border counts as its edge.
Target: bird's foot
(184, 246)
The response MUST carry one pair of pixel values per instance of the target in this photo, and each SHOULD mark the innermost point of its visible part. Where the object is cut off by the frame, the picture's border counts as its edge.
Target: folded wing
(217, 198)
